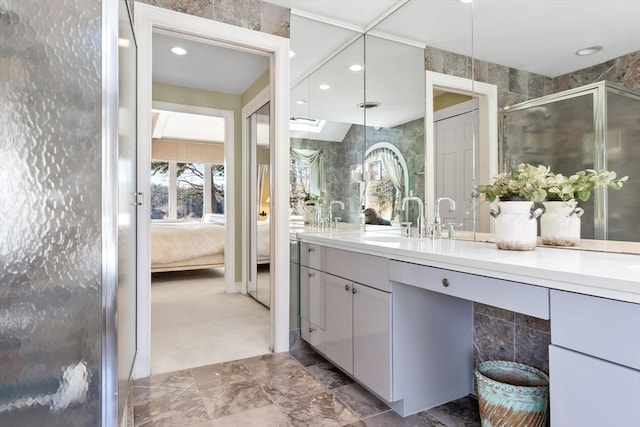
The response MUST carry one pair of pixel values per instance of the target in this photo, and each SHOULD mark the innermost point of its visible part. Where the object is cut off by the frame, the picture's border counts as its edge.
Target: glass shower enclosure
(594, 126)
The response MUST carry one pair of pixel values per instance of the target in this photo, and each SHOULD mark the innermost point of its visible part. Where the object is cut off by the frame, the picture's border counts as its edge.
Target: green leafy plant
(539, 183)
(526, 182)
(581, 184)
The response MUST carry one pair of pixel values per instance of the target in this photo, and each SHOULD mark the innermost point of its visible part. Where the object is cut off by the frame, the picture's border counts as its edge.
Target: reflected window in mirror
(387, 180)
(306, 178)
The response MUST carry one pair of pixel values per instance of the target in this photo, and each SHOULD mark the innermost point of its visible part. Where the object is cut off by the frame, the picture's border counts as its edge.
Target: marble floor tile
(233, 398)
(391, 419)
(220, 373)
(291, 385)
(271, 364)
(321, 410)
(463, 412)
(267, 416)
(329, 375)
(359, 400)
(179, 379)
(307, 355)
(170, 407)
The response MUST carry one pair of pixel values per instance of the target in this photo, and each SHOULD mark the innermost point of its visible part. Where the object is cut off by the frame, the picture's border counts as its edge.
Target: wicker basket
(512, 394)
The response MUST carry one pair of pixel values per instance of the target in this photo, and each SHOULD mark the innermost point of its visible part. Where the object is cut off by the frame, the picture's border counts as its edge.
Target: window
(179, 190)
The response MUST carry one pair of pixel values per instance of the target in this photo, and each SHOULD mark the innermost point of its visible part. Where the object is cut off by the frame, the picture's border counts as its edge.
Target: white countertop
(608, 275)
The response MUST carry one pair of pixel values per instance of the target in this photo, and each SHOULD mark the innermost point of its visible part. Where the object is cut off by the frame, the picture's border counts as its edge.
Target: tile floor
(299, 388)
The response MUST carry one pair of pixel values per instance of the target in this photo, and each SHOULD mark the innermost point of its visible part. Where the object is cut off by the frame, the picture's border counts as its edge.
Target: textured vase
(516, 226)
(512, 394)
(560, 223)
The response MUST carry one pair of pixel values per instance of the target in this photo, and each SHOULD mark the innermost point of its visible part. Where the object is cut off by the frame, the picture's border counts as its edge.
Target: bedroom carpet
(194, 323)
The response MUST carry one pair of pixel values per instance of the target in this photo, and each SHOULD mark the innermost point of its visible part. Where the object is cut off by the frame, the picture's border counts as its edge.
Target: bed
(179, 246)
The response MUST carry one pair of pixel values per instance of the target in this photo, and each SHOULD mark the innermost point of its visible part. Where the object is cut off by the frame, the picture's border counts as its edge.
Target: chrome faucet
(331, 203)
(420, 221)
(437, 221)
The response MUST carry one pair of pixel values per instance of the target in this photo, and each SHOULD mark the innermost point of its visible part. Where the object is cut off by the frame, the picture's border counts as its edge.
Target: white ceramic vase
(560, 224)
(516, 227)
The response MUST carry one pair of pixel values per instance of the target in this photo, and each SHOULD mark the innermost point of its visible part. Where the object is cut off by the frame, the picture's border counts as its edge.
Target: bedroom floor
(194, 323)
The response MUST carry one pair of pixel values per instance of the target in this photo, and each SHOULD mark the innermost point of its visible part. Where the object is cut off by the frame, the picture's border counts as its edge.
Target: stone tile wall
(251, 14)
(624, 70)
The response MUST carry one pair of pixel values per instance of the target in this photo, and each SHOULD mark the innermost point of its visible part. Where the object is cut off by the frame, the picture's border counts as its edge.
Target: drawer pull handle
(354, 290)
(311, 249)
(347, 287)
(312, 274)
(445, 283)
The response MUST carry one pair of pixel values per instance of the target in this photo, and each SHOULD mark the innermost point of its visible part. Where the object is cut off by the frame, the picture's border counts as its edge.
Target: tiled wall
(251, 14)
(624, 70)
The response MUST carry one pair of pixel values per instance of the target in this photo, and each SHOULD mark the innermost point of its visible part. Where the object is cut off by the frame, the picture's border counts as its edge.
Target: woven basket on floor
(512, 394)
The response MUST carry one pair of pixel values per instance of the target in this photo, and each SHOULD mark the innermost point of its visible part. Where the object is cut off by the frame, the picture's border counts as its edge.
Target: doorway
(149, 20)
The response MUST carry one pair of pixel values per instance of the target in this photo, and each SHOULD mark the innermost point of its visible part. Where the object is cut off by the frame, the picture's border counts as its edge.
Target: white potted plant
(515, 219)
(560, 224)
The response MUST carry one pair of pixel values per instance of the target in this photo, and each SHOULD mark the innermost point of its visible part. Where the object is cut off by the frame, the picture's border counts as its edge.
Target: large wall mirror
(520, 52)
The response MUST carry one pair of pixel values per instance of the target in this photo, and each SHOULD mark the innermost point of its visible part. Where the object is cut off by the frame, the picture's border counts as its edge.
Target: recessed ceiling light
(301, 101)
(291, 54)
(324, 87)
(465, 1)
(589, 50)
(178, 50)
(356, 67)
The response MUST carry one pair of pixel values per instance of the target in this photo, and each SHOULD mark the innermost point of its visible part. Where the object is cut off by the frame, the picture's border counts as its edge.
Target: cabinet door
(590, 392)
(338, 343)
(372, 339)
(312, 299)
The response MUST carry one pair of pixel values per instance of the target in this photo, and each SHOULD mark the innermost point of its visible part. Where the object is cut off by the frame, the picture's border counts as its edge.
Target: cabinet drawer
(519, 297)
(590, 392)
(600, 327)
(312, 255)
(367, 269)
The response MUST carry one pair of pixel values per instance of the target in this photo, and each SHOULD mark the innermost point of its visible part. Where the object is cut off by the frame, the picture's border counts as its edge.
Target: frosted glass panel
(50, 205)
(623, 156)
(559, 134)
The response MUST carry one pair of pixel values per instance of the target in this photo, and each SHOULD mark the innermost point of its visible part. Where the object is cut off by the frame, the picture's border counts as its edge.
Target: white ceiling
(540, 36)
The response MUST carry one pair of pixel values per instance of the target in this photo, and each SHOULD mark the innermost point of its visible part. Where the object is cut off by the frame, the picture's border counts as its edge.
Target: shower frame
(599, 92)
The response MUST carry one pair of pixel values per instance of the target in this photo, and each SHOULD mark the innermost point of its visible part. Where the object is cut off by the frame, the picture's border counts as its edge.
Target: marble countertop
(608, 275)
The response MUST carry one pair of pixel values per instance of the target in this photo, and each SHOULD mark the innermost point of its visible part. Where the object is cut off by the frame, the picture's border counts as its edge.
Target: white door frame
(230, 285)
(149, 18)
(487, 155)
(249, 184)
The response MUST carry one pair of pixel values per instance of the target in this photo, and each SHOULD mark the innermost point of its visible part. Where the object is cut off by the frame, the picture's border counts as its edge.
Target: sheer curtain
(393, 169)
(312, 158)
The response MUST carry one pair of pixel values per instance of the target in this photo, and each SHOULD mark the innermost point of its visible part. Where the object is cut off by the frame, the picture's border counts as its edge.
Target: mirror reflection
(470, 42)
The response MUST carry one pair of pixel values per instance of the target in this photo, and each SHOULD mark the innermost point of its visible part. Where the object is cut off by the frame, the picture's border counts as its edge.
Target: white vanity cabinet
(594, 361)
(357, 336)
(312, 293)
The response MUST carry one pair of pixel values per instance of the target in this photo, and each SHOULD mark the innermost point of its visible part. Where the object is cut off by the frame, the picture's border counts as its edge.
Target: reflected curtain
(392, 167)
(263, 176)
(314, 159)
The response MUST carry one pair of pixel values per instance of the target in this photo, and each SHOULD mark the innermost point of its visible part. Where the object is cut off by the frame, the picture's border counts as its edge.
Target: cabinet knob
(311, 249)
(312, 330)
(354, 290)
(347, 287)
(445, 283)
(311, 274)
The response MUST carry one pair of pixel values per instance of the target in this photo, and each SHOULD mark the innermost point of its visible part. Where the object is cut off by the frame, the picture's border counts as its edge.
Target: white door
(454, 159)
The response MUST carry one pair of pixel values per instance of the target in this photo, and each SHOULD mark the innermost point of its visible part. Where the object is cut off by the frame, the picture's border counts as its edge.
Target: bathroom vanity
(396, 314)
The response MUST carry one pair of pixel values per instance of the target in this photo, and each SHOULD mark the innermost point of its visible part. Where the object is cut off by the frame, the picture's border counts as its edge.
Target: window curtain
(314, 159)
(393, 169)
(263, 176)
